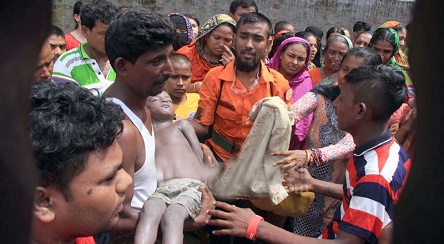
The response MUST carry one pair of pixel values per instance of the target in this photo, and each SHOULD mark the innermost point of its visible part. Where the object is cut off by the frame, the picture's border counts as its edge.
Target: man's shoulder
(70, 55)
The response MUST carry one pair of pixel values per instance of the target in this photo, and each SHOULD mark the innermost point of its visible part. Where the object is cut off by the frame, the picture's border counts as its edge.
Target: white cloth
(252, 174)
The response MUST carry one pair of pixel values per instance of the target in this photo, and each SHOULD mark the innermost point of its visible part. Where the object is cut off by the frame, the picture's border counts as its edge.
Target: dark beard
(246, 66)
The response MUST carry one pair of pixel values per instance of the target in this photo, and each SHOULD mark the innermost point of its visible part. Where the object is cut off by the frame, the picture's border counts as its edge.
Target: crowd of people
(135, 115)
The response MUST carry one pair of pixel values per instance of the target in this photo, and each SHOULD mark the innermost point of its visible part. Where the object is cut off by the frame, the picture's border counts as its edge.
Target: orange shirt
(232, 111)
(199, 66)
(315, 75)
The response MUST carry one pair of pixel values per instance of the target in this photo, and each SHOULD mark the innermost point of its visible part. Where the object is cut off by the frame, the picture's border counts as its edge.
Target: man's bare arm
(300, 180)
(234, 222)
(128, 143)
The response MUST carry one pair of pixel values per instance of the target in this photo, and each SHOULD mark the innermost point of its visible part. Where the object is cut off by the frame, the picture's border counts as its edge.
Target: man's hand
(208, 156)
(207, 205)
(297, 180)
(294, 158)
(234, 220)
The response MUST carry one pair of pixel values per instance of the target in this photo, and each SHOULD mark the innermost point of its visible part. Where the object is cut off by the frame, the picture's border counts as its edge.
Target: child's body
(180, 172)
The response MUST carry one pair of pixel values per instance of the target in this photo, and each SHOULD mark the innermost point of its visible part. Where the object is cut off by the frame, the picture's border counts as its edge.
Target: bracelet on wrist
(252, 227)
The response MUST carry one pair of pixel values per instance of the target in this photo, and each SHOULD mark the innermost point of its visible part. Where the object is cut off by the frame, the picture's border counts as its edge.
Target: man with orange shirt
(228, 93)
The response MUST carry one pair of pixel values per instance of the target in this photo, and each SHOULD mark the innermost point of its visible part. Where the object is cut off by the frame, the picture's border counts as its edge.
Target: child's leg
(172, 223)
(149, 219)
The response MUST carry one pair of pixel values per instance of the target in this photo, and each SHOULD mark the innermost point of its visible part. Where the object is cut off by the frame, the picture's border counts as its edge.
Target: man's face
(345, 108)
(96, 194)
(45, 63)
(96, 36)
(241, 11)
(147, 76)
(251, 44)
(179, 82)
(58, 45)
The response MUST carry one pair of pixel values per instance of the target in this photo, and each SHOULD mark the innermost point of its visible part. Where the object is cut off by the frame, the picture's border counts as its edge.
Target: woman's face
(292, 60)
(350, 63)
(385, 50)
(313, 46)
(218, 38)
(195, 28)
(402, 35)
(333, 56)
(363, 40)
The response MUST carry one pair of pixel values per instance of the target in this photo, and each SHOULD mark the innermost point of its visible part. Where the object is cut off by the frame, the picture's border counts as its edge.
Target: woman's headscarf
(180, 21)
(275, 61)
(399, 57)
(214, 22)
(209, 26)
(300, 84)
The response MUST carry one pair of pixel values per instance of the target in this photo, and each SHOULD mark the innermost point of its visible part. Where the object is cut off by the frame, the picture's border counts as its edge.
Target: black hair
(382, 88)
(399, 28)
(334, 29)
(277, 42)
(280, 25)
(305, 35)
(55, 30)
(97, 10)
(67, 124)
(361, 25)
(384, 34)
(370, 56)
(192, 16)
(251, 18)
(135, 31)
(76, 10)
(242, 3)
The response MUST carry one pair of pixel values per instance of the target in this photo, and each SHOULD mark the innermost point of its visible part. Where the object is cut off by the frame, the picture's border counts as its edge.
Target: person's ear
(77, 17)
(85, 31)
(269, 44)
(362, 111)
(43, 206)
(120, 66)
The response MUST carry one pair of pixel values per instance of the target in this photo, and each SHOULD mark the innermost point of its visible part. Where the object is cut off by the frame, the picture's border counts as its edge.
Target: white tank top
(145, 179)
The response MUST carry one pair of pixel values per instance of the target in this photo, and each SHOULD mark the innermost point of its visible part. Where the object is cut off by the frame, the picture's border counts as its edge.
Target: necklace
(201, 53)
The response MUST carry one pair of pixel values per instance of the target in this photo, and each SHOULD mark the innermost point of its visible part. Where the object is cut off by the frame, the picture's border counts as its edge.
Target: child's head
(355, 58)
(161, 107)
(179, 82)
(370, 92)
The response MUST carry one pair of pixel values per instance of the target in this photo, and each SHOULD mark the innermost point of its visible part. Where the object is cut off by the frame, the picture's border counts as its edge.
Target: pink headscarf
(300, 83)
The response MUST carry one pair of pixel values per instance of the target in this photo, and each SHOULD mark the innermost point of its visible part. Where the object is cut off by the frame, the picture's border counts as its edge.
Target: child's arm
(189, 133)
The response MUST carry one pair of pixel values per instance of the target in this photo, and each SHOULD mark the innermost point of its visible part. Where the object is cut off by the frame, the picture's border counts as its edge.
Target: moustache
(248, 51)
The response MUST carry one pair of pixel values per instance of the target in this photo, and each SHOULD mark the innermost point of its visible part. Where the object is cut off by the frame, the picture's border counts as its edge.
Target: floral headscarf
(214, 22)
(209, 26)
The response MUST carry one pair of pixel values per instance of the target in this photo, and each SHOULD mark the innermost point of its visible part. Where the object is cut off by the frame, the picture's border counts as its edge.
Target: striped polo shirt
(374, 180)
(76, 64)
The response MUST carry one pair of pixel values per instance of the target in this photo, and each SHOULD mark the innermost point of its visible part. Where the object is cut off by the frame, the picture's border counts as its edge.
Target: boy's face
(179, 82)
(96, 195)
(345, 108)
(159, 105)
(96, 36)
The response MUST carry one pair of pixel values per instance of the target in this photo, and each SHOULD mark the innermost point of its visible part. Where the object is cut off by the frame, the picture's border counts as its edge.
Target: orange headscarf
(399, 57)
